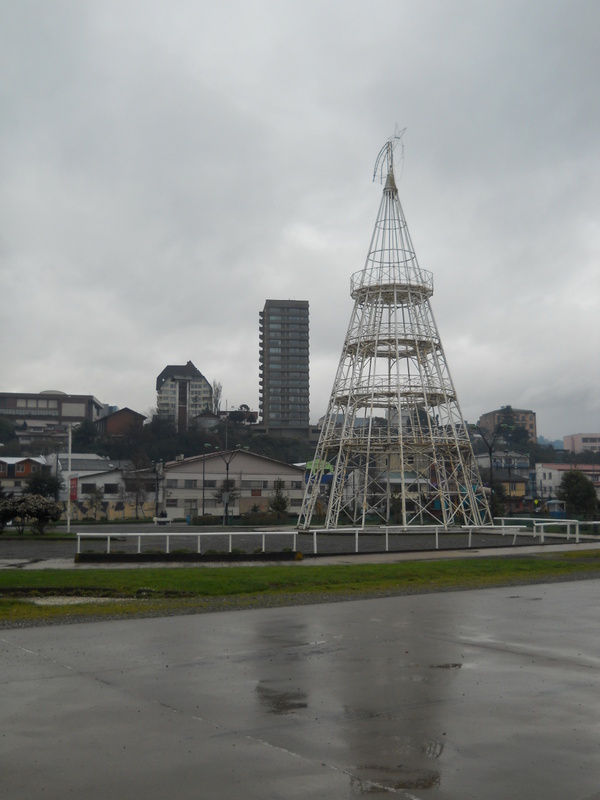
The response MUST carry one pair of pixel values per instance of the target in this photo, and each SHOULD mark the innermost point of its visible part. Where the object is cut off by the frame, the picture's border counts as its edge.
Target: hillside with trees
(159, 441)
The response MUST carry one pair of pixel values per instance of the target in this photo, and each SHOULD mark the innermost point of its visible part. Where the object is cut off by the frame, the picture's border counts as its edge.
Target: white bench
(162, 521)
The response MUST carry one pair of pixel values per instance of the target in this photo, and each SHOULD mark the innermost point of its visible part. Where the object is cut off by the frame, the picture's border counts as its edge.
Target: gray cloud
(166, 167)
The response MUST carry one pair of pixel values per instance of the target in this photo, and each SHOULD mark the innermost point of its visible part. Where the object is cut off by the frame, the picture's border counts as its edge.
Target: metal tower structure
(394, 447)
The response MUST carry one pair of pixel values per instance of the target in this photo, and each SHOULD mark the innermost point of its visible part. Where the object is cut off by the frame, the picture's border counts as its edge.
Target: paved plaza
(489, 694)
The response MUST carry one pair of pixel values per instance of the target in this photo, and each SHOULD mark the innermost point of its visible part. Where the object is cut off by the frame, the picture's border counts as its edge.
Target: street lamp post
(69, 478)
(157, 469)
(232, 454)
(226, 492)
(490, 448)
(70, 425)
(206, 444)
(508, 467)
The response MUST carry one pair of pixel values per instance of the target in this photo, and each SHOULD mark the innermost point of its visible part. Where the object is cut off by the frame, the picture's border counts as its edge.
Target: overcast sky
(168, 165)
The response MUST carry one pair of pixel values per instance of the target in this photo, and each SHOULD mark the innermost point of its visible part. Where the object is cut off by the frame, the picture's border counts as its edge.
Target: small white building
(549, 476)
(82, 465)
(194, 486)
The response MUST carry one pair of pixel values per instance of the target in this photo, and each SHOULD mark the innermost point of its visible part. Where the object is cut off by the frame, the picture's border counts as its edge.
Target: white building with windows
(193, 486)
(105, 488)
(549, 476)
(183, 393)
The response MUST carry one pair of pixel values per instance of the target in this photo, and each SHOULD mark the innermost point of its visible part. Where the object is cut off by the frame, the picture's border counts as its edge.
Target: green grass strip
(164, 590)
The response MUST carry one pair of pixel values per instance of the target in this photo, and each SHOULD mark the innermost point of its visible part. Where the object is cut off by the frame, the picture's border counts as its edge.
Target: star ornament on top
(385, 160)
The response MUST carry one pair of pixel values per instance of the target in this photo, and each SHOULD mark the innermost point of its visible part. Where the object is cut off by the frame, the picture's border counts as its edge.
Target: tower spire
(393, 430)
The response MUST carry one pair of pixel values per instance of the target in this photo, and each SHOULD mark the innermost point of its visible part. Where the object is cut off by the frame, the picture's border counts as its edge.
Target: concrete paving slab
(482, 694)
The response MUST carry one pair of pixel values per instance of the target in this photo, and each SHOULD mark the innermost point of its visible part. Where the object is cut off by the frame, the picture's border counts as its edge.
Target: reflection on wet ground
(481, 694)
(280, 702)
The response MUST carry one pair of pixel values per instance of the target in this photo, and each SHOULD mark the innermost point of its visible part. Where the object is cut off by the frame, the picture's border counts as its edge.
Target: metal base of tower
(374, 485)
(394, 447)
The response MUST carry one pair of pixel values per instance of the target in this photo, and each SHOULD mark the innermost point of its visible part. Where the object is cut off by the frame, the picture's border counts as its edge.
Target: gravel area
(327, 544)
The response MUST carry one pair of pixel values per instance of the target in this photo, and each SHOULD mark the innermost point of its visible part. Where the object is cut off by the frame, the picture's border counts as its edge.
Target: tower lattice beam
(393, 446)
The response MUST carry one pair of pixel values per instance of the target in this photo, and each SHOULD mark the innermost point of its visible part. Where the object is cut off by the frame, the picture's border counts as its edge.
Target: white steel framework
(393, 447)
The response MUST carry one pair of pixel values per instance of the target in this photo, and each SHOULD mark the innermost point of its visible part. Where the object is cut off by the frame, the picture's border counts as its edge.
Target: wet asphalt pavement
(489, 694)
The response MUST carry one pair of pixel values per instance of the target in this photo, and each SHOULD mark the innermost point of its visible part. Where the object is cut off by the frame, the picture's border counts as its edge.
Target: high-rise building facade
(284, 367)
(182, 394)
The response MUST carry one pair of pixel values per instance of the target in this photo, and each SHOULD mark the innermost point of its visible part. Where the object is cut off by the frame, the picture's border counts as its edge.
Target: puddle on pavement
(76, 601)
(414, 770)
(278, 702)
(380, 783)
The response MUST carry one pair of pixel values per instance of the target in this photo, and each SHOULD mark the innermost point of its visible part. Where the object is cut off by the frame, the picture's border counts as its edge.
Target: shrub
(31, 508)
(207, 519)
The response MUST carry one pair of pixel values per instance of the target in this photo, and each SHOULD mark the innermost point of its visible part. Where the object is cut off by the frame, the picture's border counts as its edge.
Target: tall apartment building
(520, 417)
(182, 393)
(284, 367)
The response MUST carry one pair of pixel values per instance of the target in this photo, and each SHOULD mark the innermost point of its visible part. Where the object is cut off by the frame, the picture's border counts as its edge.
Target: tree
(514, 432)
(42, 511)
(84, 437)
(137, 484)
(226, 495)
(498, 500)
(7, 430)
(44, 484)
(13, 511)
(217, 391)
(5, 513)
(578, 493)
(32, 508)
(95, 498)
(226, 487)
(279, 502)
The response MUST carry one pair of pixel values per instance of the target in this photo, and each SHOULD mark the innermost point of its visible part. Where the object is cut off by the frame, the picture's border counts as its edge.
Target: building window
(172, 483)
(190, 507)
(171, 503)
(111, 488)
(190, 484)
(88, 488)
(20, 470)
